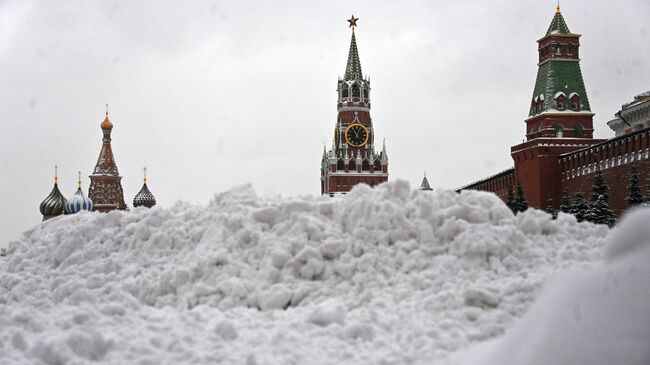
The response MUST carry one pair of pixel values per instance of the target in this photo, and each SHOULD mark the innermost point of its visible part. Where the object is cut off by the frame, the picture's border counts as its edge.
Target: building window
(575, 101)
(570, 49)
(559, 131)
(355, 90)
(580, 133)
(558, 50)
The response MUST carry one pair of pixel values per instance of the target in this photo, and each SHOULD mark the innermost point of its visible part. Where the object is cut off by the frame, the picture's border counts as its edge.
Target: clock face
(356, 135)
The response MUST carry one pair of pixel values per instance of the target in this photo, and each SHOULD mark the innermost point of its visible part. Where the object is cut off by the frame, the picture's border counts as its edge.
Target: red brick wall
(497, 184)
(346, 183)
(615, 159)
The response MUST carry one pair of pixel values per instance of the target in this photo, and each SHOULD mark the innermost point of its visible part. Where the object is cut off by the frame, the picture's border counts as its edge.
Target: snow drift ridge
(385, 274)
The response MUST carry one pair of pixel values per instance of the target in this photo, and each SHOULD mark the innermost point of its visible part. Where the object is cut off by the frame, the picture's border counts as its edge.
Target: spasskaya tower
(353, 159)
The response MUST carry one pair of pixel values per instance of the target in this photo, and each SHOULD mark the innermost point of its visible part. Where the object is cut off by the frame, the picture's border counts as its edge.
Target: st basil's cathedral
(105, 193)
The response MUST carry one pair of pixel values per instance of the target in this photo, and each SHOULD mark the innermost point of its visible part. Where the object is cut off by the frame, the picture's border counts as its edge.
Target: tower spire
(79, 180)
(56, 174)
(145, 175)
(105, 182)
(558, 25)
(353, 67)
(425, 183)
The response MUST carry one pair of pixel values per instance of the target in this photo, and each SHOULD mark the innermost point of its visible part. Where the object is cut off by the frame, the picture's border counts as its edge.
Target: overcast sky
(211, 94)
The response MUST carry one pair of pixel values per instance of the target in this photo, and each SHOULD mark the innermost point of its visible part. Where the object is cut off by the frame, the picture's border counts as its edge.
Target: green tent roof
(558, 25)
(559, 76)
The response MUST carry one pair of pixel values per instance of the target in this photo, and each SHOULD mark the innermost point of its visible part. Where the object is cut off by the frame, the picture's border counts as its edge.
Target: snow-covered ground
(380, 276)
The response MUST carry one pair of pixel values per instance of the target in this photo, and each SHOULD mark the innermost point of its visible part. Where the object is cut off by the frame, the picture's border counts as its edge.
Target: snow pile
(598, 316)
(379, 276)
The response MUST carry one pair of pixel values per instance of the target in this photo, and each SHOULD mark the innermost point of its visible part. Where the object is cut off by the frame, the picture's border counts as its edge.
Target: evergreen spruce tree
(599, 188)
(549, 207)
(565, 202)
(579, 207)
(601, 213)
(519, 203)
(634, 195)
(597, 213)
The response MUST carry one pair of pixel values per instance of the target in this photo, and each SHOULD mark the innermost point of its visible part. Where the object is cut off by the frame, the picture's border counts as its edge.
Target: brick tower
(353, 159)
(560, 119)
(105, 183)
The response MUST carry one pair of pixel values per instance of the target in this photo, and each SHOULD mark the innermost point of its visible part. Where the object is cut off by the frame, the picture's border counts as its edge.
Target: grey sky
(210, 94)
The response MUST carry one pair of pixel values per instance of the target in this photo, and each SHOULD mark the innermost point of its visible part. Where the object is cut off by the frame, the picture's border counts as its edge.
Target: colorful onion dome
(79, 201)
(106, 124)
(54, 204)
(144, 198)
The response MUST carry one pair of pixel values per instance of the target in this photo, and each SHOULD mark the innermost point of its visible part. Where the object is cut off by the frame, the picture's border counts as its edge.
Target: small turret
(79, 201)
(144, 198)
(54, 204)
(425, 183)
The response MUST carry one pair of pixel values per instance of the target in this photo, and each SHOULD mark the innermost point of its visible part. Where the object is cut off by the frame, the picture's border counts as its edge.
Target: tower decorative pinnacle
(56, 174)
(145, 175)
(425, 183)
(106, 124)
(353, 68)
(558, 25)
(79, 179)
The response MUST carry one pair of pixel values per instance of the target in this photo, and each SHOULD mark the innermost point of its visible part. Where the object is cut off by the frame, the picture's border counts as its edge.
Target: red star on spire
(353, 21)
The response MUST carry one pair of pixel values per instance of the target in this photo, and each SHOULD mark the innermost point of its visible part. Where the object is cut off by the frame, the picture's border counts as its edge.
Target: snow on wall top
(387, 274)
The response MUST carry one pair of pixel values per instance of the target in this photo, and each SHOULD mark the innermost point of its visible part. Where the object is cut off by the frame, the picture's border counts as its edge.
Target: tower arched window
(365, 165)
(352, 165)
(580, 132)
(558, 49)
(346, 91)
(355, 90)
(340, 165)
(365, 93)
(559, 130)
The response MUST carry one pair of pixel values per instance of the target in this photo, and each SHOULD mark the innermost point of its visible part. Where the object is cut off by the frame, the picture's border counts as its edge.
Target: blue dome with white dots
(79, 201)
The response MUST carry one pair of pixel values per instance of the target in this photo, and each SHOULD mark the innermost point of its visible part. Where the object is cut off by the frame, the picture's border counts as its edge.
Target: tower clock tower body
(353, 158)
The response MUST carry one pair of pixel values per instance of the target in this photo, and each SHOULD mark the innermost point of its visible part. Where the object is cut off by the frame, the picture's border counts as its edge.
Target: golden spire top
(106, 124)
(56, 174)
(79, 180)
(557, 10)
(145, 175)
